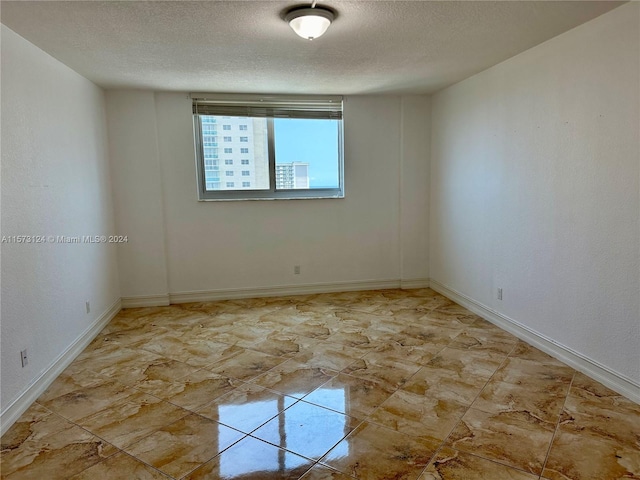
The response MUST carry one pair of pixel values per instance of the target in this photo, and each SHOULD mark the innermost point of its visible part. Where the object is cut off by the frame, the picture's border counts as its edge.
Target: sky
(310, 141)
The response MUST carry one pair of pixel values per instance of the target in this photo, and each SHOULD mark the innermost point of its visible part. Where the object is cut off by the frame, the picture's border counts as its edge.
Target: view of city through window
(236, 155)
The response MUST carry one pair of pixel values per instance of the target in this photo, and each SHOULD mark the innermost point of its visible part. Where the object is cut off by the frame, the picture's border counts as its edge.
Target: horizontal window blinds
(271, 106)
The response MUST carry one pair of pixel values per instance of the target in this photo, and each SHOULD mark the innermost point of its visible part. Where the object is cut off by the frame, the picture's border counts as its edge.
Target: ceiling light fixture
(309, 22)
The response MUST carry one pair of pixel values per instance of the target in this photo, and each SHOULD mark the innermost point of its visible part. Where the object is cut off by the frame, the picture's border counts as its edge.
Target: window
(230, 184)
(226, 127)
(246, 184)
(228, 161)
(228, 173)
(295, 143)
(227, 139)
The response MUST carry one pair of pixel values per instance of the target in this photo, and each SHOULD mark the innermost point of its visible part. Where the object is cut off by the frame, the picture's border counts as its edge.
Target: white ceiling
(245, 46)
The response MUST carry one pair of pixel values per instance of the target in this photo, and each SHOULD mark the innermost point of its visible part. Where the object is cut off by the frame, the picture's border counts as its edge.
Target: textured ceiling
(245, 46)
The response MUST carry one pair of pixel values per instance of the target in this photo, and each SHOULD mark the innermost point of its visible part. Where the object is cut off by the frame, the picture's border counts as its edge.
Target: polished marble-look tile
(476, 339)
(147, 368)
(479, 363)
(576, 456)
(517, 440)
(461, 385)
(247, 407)
(306, 429)
(71, 380)
(419, 415)
(86, 401)
(320, 472)
(420, 335)
(247, 365)
(148, 375)
(253, 459)
(217, 309)
(180, 447)
(195, 390)
(127, 422)
(352, 396)
(294, 378)
(501, 397)
(244, 335)
(373, 452)
(174, 386)
(450, 464)
(161, 317)
(284, 345)
(115, 359)
(118, 467)
(209, 328)
(284, 316)
(196, 352)
(317, 329)
(390, 372)
(527, 352)
(588, 389)
(531, 373)
(464, 315)
(333, 356)
(597, 417)
(34, 424)
(418, 354)
(444, 318)
(132, 336)
(354, 337)
(64, 451)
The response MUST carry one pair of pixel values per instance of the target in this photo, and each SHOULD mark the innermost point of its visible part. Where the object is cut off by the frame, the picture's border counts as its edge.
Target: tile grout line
(555, 432)
(336, 372)
(443, 443)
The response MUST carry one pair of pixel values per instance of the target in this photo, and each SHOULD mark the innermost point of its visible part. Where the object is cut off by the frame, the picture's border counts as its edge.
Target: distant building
(235, 153)
(293, 175)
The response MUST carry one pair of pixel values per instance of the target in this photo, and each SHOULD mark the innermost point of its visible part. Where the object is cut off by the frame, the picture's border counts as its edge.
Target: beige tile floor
(374, 385)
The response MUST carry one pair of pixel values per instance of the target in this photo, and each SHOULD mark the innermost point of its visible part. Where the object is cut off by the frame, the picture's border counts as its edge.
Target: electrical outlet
(296, 269)
(23, 358)
(87, 304)
(499, 294)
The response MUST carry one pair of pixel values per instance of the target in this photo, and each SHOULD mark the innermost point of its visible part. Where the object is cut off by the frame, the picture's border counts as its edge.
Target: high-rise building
(236, 156)
(293, 175)
(235, 153)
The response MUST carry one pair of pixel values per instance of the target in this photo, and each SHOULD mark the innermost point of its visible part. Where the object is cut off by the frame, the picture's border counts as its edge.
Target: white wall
(535, 189)
(137, 189)
(216, 246)
(415, 128)
(55, 181)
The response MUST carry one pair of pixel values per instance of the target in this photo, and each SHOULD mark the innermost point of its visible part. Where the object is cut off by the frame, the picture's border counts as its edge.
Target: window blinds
(273, 106)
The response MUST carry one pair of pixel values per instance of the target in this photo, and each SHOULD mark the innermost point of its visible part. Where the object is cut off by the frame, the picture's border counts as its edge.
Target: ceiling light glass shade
(309, 23)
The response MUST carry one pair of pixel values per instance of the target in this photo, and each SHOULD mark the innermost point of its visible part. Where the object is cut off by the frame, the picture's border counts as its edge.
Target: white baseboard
(42, 382)
(615, 381)
(283, 290)
(408, 284)
(146, 301)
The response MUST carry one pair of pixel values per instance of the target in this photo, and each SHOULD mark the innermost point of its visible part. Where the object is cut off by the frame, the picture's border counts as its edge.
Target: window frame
(314, 104)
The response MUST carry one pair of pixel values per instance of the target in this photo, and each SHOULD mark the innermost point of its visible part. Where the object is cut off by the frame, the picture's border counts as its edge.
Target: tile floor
(373, 385)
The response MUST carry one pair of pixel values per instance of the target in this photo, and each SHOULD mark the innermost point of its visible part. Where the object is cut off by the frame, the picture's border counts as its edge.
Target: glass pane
(306, 153)
(228, 157)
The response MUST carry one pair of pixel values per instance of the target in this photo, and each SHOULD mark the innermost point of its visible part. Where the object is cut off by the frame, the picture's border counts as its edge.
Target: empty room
(338, 239)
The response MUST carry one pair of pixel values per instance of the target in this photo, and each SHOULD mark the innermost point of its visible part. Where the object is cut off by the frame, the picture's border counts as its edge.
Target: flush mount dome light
(309, 23)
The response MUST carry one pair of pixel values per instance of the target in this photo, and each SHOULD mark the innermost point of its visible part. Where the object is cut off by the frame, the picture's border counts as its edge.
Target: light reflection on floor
(299, 424)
